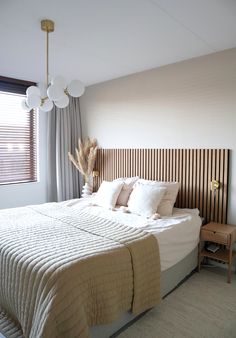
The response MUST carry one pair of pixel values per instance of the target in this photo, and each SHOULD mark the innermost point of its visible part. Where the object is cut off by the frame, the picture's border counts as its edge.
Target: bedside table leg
(230, 261)
(229, 273)
(199, 256)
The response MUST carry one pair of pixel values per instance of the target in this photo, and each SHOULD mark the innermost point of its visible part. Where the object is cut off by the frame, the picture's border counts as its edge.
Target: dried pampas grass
(85, 156)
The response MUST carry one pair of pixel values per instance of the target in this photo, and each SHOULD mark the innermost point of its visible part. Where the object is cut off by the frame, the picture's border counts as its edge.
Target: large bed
(27, 246)
(78, 269)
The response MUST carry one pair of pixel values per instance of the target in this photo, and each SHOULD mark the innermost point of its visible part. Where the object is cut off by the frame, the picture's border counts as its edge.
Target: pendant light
(56, 92)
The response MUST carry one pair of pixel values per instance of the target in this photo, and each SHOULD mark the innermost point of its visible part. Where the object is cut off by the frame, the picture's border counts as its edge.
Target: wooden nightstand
(222, 234)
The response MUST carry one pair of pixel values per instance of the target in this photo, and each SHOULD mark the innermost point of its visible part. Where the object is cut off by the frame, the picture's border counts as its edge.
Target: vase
(87, 188)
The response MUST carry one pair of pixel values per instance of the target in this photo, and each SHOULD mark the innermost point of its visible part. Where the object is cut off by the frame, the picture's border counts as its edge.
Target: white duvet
(177, 235)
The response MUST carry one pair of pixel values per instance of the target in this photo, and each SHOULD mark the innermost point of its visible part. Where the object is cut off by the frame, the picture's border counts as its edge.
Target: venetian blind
(18, 148)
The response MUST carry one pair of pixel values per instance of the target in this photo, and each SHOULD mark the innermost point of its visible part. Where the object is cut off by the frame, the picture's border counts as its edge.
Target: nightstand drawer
(216, 237)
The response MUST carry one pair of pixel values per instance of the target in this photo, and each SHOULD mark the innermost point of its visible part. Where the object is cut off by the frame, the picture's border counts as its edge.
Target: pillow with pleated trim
(165, 208)
(126, 190)
(145, 199)
(107, 194)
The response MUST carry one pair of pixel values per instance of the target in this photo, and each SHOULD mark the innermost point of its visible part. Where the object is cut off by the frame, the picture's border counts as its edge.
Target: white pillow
(126, 189)
(107, 194)
(166, 205)
(145, 199)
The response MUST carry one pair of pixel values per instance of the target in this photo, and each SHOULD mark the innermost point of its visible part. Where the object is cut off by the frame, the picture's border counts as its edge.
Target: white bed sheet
(177, 235)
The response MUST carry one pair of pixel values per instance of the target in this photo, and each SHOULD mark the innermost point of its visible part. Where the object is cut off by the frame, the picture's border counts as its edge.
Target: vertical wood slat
(202, 196)
(217, 175)
(221, 175)
(194, 169)
(207, 180)
(197, 180)
(225, 184)
(176, 168)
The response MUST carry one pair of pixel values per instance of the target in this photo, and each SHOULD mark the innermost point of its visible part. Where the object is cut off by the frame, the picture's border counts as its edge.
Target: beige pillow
(145, 199)
(126, 189)
(166, 205)
(107, 194)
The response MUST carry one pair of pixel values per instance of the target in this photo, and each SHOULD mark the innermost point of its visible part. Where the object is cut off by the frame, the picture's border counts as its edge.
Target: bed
(183, 227)
(37, 296)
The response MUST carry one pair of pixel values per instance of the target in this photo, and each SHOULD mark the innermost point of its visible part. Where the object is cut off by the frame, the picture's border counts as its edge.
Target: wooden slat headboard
(193, 168)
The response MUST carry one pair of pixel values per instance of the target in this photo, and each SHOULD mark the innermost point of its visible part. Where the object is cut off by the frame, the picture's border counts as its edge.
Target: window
(18, 141)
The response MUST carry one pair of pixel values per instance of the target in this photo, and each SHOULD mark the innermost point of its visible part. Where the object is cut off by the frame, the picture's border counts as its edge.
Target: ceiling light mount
(47, 26)
(55, 92)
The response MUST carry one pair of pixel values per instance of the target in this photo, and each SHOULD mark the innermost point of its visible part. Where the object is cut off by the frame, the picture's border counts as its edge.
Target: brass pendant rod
(47, 63)
(48, 27)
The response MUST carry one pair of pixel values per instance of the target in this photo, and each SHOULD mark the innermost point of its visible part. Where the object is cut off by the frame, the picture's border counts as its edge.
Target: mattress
(177, 235)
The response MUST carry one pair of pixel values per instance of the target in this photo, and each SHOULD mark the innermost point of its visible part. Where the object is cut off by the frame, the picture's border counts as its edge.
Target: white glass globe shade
(63, 102)
(75, 88)
(55, 92)
(25, 106)
(59, 80)
(33, 101)
(47, 105)
(32, 90)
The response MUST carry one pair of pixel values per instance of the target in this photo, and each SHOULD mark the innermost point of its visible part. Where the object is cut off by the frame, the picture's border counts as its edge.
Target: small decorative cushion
(126, 189)
(156, 216)
(107, 194)
(166, 205)
(145, 199)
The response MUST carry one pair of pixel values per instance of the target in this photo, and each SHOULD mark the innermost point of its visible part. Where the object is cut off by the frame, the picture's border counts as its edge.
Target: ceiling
(98, 40)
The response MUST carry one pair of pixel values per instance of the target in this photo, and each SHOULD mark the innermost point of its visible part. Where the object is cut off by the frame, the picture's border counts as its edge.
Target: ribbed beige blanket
(62, 271)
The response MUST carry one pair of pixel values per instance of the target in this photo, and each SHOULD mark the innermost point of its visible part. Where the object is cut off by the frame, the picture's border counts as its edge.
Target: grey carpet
(202, 307)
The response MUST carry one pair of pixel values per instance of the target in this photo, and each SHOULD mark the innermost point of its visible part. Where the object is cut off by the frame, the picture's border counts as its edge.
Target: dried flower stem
(85, 157)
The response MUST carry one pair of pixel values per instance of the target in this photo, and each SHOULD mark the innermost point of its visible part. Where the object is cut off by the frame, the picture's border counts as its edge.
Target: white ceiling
(98, 40)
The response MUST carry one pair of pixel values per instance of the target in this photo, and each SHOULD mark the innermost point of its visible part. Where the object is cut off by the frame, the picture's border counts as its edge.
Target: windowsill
(17, 184)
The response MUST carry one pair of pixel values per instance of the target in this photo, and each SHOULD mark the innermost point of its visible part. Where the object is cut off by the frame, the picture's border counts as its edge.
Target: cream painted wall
(190, 104)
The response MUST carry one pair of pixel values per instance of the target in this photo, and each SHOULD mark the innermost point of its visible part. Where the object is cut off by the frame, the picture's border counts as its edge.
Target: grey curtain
(64, 129)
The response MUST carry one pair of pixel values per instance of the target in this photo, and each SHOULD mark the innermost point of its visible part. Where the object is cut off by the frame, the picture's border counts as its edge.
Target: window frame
(16, 86)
